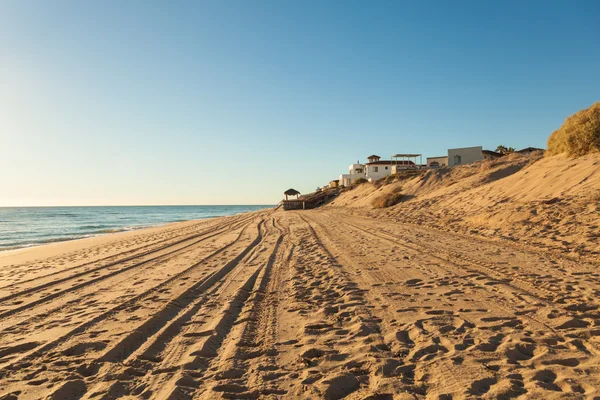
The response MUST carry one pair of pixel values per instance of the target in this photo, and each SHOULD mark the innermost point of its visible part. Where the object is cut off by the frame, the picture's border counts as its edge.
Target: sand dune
(551, 202)
(317, 304)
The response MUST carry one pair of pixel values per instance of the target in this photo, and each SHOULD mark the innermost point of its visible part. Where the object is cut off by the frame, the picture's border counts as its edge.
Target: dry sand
(307, 304)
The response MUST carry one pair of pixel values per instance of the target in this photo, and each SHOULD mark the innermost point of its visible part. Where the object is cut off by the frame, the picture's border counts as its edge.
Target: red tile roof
(390, 162)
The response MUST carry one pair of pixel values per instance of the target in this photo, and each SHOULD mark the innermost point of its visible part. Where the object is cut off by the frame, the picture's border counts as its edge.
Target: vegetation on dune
(579, 135)
(399, 176)
(357, 182)
(595, 197)
(505, 150)
(488, 164)
(388, 199)
(514, 156)
(511, 158)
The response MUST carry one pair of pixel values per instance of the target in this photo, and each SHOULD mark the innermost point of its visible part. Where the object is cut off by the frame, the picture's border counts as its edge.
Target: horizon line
(135, 205)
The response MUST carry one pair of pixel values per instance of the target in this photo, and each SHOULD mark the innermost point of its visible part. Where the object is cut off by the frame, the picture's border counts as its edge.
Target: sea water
(31, 226)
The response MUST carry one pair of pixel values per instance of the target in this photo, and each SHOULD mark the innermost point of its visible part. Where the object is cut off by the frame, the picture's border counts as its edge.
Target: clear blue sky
(228, 102)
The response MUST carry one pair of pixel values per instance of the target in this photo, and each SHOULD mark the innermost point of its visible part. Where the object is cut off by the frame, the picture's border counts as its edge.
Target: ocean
(32, 226)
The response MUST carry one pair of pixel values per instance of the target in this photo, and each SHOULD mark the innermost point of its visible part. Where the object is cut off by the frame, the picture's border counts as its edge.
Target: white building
(377, 168)
(355, 171)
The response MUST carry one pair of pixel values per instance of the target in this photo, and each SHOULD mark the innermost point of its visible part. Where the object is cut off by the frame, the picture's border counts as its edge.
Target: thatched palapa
(291, 192)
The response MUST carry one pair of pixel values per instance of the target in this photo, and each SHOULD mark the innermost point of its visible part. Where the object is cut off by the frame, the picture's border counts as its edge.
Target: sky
(233, 102)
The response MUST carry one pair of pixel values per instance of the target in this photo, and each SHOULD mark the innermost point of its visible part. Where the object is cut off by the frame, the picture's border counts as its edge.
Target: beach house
(355, 172)
(440, 161)
(377, 168)
(464, 155)
(491, 155)
(374, 169)
(468, 155)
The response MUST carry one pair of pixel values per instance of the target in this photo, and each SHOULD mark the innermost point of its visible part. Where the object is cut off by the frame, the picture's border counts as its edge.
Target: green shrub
(579, 135)
(387, 200)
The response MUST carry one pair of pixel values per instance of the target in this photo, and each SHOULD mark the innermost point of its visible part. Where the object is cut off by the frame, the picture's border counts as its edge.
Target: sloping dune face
(551, 202)
(307, 304)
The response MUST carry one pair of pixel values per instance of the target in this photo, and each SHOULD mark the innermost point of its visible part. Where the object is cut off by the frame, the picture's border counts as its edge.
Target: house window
(375, 169)
(385, 167)
(457, 160)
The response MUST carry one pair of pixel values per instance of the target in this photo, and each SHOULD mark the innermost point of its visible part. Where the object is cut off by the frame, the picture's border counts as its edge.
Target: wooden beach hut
(291, 192)
(307, 201)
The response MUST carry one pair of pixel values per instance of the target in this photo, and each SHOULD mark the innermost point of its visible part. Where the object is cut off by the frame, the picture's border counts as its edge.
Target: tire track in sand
(332, 345)
(48, 322)
(249, 367)
(173, 237)
(508, 340)
(171, 363)
(520, 302)
(100, 273)
(44, 351)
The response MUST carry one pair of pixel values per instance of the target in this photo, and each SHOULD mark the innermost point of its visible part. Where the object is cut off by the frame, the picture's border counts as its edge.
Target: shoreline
(89, 236)
(51, 249)
(130, 227)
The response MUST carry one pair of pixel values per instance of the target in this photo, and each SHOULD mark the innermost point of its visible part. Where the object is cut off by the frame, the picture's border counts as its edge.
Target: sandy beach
(315, 304)
(299, 200)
